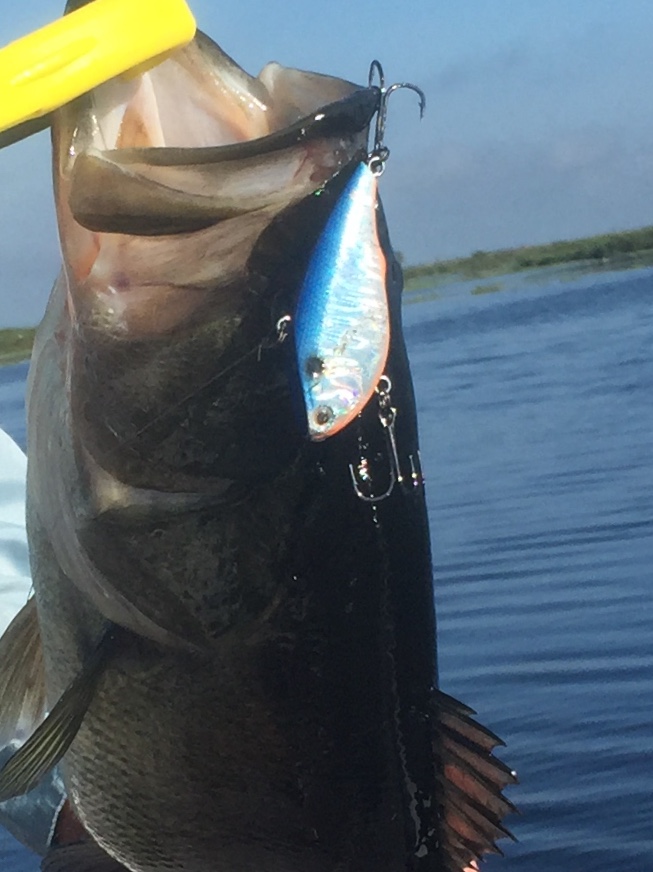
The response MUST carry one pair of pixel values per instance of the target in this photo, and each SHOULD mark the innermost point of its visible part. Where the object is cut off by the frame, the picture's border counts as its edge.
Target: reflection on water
(536, 421)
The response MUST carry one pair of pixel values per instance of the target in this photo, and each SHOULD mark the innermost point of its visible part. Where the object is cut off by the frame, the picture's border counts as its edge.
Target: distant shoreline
(16, 344)
(630, 248)
(627, 247)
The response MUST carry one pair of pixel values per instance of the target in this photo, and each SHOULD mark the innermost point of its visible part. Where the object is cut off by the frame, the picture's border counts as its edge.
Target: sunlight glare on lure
(342, 320)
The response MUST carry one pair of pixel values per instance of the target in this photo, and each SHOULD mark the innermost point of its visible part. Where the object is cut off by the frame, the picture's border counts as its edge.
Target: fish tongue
(130, 114)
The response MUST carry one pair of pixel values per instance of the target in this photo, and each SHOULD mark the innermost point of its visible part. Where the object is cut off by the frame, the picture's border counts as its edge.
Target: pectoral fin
(22, 677)
(47, 745)
(472, 780)
(85, 856)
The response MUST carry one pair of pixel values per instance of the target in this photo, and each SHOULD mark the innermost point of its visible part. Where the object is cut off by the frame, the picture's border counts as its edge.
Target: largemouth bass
(233, 626)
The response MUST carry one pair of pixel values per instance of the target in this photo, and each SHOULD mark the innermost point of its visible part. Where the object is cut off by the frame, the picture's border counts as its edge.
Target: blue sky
(538, 124)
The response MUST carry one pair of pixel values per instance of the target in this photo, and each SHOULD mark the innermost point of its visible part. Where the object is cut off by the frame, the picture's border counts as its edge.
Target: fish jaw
(197, 150)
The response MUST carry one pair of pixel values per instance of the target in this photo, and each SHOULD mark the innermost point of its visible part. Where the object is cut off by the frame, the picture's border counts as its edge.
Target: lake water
(537, 439)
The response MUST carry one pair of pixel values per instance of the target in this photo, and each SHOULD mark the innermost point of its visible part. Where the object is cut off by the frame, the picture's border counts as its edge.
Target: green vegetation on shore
(628, 245)
(626, 249)
(16, 344)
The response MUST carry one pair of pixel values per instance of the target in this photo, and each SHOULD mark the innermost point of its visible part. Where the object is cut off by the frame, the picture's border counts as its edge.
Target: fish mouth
(165, 180)
(196, 140)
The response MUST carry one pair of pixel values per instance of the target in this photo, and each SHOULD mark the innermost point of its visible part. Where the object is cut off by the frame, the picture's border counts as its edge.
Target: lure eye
(323, 415)
(314, 367)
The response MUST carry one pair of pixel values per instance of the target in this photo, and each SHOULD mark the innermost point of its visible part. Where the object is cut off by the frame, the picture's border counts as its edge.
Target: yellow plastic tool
(103, 39)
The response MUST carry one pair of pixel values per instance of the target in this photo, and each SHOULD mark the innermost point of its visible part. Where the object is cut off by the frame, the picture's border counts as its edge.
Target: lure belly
(342, 323)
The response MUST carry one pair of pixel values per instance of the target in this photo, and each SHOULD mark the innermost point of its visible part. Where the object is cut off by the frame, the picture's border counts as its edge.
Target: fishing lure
(342, 321)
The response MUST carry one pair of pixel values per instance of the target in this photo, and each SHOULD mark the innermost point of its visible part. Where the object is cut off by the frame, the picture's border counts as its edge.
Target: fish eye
(323, 415)
(314, 366)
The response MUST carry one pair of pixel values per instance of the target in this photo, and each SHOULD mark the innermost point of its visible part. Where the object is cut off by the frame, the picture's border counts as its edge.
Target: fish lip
(346, 117)
(125, 164)
(199, 106)
(341, 125)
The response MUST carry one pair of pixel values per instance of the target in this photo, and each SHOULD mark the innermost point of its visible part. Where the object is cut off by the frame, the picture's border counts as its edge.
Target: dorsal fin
(471, 780)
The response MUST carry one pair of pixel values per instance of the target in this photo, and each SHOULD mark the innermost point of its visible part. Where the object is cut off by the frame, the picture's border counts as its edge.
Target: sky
(538, 122)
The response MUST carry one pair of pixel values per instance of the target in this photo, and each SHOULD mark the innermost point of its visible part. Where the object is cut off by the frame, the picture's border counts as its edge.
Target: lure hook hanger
(380, 152)
(375, 67)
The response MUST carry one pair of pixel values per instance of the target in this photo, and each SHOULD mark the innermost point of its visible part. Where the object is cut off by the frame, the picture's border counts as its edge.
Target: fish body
(238, 650)
(275, 745)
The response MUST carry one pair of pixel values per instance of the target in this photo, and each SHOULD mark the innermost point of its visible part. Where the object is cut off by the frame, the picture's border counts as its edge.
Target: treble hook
(361, 476)
(380, 152)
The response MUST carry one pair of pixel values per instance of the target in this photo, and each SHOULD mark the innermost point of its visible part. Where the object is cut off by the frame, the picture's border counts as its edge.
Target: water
(536, 421)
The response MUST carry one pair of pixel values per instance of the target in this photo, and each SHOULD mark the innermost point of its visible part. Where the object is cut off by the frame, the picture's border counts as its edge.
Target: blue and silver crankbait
(342, 326)
(342, 322)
